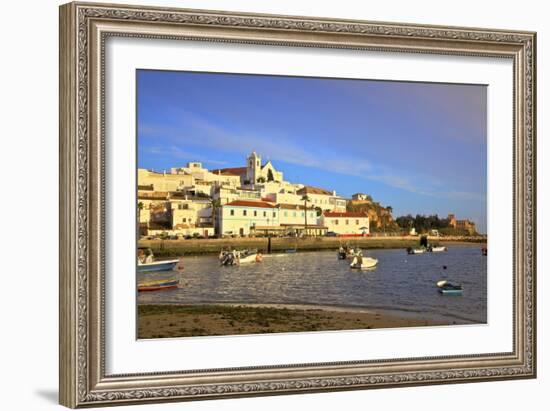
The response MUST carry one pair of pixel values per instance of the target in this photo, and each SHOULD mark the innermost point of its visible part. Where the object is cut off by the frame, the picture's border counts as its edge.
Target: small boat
(167, 265)
(446, 288)
(437, 249)
(158, 285)
(239, 257)
(363, 263)
(411, 250)
(247, 257)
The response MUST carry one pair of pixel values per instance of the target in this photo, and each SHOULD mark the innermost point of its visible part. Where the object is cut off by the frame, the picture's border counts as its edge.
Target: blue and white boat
(167, 265)
(446, 288)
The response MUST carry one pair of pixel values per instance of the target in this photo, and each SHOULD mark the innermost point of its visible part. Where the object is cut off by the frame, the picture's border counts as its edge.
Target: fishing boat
(158, 285)
(411, 250)
(240, 257)
(167, 265)
(446, 288)
(248, 257)
(363, 263)
(437, 249)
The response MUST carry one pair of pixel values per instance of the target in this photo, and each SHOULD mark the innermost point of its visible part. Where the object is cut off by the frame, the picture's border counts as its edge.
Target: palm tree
(305, 199)
(216, 204)
(139, 208)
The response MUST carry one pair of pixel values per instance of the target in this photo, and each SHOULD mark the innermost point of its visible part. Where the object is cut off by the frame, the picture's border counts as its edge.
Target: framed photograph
(260, 204)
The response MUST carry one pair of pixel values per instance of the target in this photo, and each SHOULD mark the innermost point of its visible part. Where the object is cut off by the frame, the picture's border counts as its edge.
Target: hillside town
(253, 201)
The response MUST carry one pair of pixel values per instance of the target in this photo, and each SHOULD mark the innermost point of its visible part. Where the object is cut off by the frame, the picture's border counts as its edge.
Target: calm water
(399, 282)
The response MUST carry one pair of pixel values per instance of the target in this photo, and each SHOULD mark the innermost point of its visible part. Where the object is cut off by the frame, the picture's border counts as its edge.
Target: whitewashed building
(346, 223)
(324, 199)
(241, 217)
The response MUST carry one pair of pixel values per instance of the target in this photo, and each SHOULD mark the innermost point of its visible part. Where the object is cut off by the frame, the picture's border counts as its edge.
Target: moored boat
(446, 288)
(411, 250)
(240, 257)
(363, 263)
(167, 265)
(437, 249)
(158, 285)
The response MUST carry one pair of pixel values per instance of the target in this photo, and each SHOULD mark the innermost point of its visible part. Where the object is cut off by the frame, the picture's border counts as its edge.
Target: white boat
(363, 263)
(438, 249)
(167, 265)
(247, 258)
(239, 257)
(416, 250)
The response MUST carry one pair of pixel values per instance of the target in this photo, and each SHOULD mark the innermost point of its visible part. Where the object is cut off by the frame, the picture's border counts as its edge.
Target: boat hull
(157, 266)
(159, 285)
(249, 259)
(367, 264)
(450, 292)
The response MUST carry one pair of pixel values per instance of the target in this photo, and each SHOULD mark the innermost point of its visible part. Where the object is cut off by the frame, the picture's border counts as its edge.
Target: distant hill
(380, 217)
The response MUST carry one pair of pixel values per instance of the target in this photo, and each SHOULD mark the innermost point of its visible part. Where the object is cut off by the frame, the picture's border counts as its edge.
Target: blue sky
(419, 147)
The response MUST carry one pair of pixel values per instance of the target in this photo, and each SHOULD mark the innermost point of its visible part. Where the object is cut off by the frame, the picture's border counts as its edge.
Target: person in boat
(140, 256)
(149, 257)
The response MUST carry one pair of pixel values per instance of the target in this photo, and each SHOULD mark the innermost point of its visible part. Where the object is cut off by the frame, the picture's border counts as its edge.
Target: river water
(401, 282)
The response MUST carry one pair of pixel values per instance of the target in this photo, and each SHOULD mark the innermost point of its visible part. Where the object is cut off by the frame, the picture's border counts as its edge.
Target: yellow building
(163, 181)
(346, 223)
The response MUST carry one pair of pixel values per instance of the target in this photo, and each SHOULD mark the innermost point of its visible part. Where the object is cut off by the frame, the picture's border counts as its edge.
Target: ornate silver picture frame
(84, 29)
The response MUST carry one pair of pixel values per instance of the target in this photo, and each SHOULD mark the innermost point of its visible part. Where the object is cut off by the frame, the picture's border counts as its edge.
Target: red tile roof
(332, 214)
(233, 171)
(294, 207)
(313, 190)
(246, 203)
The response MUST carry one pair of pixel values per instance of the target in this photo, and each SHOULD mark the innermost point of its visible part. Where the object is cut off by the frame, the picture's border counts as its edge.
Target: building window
(231, 212)
(265, 214)
(347, 222)
(274, 214)
(302, 213)
(184, 220)
(244, 212)
(255, 213)
(335, 222)
(286, 213)
(356, 222)
(294, 214)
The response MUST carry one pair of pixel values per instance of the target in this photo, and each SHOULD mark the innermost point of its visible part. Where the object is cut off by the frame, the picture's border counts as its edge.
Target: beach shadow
(50, 395)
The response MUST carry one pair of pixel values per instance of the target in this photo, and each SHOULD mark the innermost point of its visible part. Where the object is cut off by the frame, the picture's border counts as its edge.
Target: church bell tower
(253, 167)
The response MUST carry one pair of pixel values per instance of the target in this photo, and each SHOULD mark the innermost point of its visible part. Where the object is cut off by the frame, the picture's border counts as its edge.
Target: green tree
(305, 199)
(139, 208)
(261, 180)
(216, 204)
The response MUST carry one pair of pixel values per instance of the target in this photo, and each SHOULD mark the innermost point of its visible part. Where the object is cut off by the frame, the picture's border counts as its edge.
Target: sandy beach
(165, 321)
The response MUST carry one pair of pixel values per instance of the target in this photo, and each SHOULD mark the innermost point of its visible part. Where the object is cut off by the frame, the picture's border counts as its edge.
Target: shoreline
(195, 247)
(186, 320)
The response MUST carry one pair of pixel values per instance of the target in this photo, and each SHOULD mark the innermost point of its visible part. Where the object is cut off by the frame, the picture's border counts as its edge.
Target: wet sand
(168, 321)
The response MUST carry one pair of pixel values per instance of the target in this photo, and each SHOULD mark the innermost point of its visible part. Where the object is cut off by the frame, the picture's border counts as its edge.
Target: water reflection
(399, 282)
